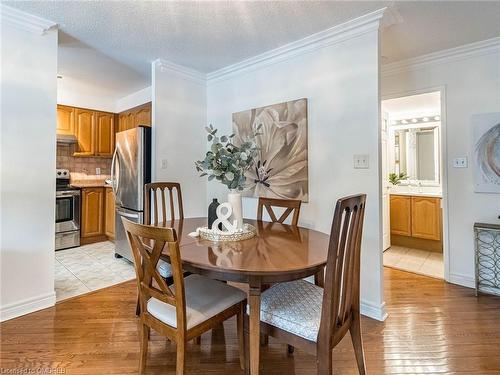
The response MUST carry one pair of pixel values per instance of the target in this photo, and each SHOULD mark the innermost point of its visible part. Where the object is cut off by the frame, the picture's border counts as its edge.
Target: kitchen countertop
(417, 194)
(90, 184)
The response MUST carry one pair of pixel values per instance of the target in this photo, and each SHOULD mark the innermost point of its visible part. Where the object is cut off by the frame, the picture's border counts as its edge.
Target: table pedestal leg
(254, 327)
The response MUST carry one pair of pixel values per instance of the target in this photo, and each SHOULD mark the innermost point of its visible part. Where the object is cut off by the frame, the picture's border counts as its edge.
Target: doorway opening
(412, 187)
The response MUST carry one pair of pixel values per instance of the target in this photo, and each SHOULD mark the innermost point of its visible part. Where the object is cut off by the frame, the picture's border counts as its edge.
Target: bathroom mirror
(416, 153)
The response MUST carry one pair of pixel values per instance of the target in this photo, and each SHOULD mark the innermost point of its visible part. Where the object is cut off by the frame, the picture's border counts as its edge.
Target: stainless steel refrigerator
(130, 170)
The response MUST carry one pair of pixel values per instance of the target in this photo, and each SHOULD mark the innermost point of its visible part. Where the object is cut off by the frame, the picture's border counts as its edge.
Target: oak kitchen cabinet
(65, 120)
(92, 212)
(85, 132)
(426, 218)
(98, 210)
(94, 130)
(416, 216)
(109, 222)
(134, 117)
(105, 133)
(400, 215)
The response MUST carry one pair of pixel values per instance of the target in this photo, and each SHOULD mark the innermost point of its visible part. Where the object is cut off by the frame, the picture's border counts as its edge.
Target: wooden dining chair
(165, 217)
(316, 319)
(183, 311)
(162, 218)
(151, 192)
(290, 205)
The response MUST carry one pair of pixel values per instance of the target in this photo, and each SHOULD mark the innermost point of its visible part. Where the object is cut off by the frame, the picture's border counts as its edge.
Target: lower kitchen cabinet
(92, 212)
(109, 222)
(98, 209)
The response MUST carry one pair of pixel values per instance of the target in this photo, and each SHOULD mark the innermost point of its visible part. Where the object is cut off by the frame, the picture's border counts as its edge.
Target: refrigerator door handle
(114, 180)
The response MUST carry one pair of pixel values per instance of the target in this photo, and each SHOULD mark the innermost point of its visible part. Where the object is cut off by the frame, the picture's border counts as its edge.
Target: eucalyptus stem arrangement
(226, 162)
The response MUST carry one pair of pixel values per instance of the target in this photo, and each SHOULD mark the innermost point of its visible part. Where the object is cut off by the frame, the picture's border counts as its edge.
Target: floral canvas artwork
(280, 169)
(487, 152)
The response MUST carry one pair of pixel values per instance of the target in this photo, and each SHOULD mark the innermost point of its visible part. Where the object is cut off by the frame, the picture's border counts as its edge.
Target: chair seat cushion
(294, 307)
(164, 269)
(205, 298)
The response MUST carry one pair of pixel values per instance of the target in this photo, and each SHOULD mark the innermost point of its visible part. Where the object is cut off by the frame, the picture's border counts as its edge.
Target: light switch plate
(361, 161)
(460, 162)
(164, 163)
(98, 171)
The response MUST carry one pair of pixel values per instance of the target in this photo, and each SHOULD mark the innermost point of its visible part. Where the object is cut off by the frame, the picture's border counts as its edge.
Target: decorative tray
(246, 233)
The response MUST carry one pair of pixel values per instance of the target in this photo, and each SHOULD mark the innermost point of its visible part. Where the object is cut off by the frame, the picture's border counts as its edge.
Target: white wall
(91, 79)
(133, 100)
(79, 93)
(340, 82)
(472, 85)
(28, 161)
(179, 117)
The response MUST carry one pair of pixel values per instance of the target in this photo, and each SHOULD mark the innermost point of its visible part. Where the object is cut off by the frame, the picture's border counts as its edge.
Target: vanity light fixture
(415, 120)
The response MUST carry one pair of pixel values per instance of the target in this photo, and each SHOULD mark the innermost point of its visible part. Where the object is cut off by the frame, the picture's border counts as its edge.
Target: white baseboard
(374, 311)
(462, 280)
(27, 306)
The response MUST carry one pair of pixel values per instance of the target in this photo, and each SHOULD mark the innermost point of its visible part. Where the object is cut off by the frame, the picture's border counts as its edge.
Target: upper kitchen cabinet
(105, 133)
(134, 117)
(123, 121)
(85, 132)
(94, 130)
(65, 120)
(143, 115)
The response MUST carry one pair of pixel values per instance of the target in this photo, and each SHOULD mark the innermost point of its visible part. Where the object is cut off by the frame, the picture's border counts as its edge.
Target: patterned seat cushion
(294, 307)
(164, 269)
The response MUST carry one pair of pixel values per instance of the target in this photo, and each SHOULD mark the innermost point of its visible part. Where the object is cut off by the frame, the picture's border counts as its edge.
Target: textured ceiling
(205, 35)
(209, 35)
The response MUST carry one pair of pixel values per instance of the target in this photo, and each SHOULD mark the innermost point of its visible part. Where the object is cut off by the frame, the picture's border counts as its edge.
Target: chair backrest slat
(341, 292)
(147, 244)
(151, 192)
(290, 205)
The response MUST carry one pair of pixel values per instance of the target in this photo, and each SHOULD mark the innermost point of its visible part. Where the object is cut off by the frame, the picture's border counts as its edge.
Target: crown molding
(185, 72)
(348, 30)
(445, 56)
(25, 21)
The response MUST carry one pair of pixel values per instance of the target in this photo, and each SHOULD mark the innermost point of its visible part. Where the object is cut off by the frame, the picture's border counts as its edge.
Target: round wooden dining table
(278, 253)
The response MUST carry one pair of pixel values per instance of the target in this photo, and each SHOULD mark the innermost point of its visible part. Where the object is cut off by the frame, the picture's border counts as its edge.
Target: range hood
(66, 138)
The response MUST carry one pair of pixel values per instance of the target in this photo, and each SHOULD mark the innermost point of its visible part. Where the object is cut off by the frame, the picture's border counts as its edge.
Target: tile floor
(423, 262)
(90, 267)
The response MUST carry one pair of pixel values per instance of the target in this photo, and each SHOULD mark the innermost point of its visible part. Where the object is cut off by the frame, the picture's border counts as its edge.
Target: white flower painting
(281, 167)
(487, 152)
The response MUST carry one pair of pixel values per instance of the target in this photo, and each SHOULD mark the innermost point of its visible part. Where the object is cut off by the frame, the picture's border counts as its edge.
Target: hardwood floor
(433, 327)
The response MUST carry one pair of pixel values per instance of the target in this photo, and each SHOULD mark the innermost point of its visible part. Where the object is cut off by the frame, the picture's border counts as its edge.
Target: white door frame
(386, 220)
(443, 167)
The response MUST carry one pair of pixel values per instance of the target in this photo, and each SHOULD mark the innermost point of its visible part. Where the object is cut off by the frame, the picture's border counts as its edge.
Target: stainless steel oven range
(67, 212)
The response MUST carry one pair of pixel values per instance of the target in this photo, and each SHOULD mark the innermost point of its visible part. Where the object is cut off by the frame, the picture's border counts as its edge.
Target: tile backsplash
(81, 165)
